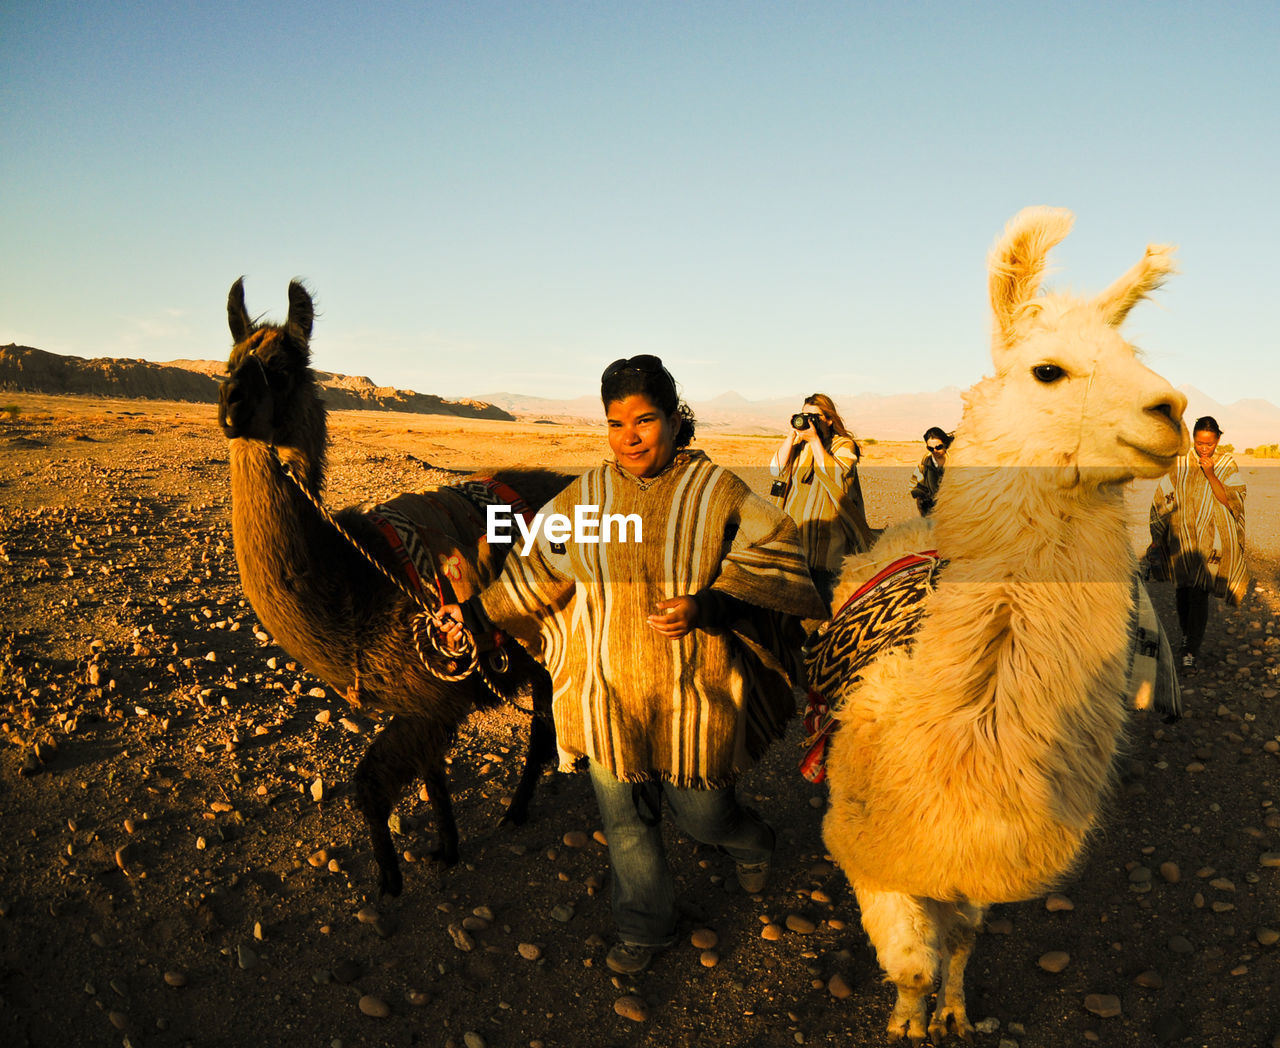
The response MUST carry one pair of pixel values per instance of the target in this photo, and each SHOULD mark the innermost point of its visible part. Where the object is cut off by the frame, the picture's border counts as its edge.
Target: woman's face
(641, 435)
(936, 448)
(1206, 443)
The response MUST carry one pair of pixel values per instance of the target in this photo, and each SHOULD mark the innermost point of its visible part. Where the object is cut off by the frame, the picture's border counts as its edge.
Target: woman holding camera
(816, 467)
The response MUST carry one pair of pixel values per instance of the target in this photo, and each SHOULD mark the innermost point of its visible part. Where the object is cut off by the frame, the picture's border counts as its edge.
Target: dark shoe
(629, 959)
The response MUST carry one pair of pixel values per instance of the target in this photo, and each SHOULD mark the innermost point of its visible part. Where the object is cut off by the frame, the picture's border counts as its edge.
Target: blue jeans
(644, 897)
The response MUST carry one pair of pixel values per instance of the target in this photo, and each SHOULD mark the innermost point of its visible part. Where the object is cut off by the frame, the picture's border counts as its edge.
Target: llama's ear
(237, 318)
(301, 312)
(1132, 288)
(1017, 263)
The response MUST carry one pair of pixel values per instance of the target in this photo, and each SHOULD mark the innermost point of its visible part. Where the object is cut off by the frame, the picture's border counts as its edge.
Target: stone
(704, 939)
(1149, 980)
(367, 915)
(347, 971)
(529, 951)
(800, 924)
(1058, 903)
(1054, 961)
(575, 839)
(461, 938)
(245, 957)
(771, 931)
(1267, 936)
(1103, 1005)
(632, 1007)
(416, 998)
(175, 978)
(839, 988)
(1271, 859)
(1180, 944)
(562, 913)
(473, 1040)
(375, 1007)
(1170, 872)
(709, 958)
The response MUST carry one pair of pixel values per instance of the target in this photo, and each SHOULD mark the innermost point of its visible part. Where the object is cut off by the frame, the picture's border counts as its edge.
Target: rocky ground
(182, 864)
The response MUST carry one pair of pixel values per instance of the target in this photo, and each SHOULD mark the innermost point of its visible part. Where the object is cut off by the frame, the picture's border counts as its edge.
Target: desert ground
(182, 865)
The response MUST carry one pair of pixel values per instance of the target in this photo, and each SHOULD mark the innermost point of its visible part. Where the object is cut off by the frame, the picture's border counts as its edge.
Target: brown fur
(969, 768)
(325, 605)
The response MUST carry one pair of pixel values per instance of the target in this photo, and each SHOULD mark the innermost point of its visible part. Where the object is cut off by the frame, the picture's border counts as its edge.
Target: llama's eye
(1047, 373)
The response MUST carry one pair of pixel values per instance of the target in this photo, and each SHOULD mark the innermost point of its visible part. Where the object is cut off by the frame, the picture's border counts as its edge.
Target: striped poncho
(826, 504)
(695, 711)
(1200, 542)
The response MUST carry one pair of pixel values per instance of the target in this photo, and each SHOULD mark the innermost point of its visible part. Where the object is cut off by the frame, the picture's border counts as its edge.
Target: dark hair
(941, 434)
(821, 400)
(646, 376)
(1207, 424)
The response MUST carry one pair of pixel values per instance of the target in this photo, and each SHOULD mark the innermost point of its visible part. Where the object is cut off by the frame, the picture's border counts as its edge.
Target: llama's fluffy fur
(969, 768)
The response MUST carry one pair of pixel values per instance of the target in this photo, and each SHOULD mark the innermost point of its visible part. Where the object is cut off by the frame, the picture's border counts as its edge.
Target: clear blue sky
(774, 197)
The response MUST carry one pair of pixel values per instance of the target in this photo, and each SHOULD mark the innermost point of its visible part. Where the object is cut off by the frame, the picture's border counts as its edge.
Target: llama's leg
(958, 923)
(406, 749)
(902, 930)
(542, 749)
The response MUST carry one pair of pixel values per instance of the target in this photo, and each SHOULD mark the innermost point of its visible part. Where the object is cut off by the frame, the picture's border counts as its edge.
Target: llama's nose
(1169, 403)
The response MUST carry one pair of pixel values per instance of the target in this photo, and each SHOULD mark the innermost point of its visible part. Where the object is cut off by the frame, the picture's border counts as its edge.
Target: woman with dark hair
(816, 467)
(666, 649)
(928, 475)
(1197, 533)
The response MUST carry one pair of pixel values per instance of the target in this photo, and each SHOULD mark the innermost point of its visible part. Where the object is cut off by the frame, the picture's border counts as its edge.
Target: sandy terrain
(172, 777)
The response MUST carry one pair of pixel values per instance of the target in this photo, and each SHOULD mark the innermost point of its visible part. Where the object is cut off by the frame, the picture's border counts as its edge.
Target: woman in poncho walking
(1197, 533)
(663, 644)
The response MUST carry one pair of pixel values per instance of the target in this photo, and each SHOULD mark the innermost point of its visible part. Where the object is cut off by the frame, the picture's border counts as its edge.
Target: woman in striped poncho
(665, 644)
(1197, 533)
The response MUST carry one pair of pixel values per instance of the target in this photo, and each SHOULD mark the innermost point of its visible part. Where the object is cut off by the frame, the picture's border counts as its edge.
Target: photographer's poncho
(696, 711)
(826, 504)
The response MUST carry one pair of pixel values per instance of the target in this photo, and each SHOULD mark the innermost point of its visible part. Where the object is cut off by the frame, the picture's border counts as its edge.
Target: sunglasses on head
(646, 363)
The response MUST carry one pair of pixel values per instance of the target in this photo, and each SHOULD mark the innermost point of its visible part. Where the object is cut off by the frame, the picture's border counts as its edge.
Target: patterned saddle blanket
(883, 613)
(437, 540)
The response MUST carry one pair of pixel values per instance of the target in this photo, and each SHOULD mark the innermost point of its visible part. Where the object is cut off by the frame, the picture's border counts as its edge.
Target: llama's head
(269, 393)
(1069, 392)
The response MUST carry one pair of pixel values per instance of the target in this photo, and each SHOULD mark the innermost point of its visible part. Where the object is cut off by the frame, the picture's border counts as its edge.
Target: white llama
(968, 766)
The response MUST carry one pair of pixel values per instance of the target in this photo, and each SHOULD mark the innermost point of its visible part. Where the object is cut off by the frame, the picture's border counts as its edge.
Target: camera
(803, 419)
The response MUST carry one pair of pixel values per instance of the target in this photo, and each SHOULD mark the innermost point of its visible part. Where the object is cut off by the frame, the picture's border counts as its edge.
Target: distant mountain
(903, 416)
(1244, 424)
(27, 370)
(896, 416)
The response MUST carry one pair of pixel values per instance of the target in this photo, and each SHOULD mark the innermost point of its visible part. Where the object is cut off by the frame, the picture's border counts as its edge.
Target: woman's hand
(675, 617)
(451, 624)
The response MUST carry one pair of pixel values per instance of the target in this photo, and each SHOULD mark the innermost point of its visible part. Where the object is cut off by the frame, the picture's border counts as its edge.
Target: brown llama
(330, 608)
(969, 764)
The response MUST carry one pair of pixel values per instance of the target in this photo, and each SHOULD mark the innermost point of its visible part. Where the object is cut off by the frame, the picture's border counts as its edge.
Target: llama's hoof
(390, 882)
(445, 856)
(950, 1019)
(908, 1023)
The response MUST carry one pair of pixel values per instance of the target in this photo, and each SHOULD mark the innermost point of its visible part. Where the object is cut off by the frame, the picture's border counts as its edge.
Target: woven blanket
(882, 614)
(436, 537)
